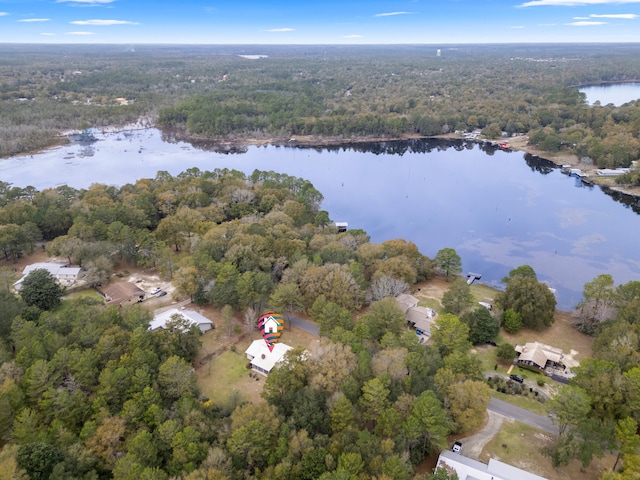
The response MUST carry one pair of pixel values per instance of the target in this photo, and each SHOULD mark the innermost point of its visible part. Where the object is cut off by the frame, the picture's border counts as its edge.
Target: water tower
(438, 53)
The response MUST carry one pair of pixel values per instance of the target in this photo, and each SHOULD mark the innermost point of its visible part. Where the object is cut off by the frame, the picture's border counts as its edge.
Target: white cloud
(47, 34)
(352, 36)
(585, 24)
(624, 16)
(278, 30)
(103, 22)
(391, 14)
(80, 33)
(516, 27)
(29, 20)
(2, 14)
(574, 3)
(581, 18)
(87, 2)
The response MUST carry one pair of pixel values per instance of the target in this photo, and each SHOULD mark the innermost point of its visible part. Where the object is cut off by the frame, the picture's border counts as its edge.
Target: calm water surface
(618, 94)
(498, 209)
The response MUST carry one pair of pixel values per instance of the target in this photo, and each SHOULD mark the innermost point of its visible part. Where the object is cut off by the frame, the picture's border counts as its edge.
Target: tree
(384, 316)
(426, 427)
(599, 298)
(227, 318)
(38, 459)
(98, 271)
(521, 271)
(40, 289)
(448, 262)
(387, 286)
(532, 300)
(468, 403)
(286, 297)
(458, 298)
(374, 399)
(483, 326)
(506, 352)
(512, 321)
(176, 377)
(450, 335)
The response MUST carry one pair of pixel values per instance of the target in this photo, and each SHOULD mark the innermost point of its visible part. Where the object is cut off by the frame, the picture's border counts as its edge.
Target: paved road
(303, 324)
(525, 416)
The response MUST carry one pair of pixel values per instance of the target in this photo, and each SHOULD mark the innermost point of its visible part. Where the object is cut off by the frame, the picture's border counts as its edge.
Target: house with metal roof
(63, 273)
(262, 359)
(192, 317)
(539, 357)
(469, 469)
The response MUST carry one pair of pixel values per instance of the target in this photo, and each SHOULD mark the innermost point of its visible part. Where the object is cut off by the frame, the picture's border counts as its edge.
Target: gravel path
(472, 446)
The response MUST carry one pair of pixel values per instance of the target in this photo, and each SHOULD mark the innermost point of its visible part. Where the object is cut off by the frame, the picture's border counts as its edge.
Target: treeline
(345, 92)
(599, 410)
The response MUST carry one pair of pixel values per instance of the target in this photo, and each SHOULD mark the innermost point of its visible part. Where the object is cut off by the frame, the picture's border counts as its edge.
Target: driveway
(303, 324)
(499, 412)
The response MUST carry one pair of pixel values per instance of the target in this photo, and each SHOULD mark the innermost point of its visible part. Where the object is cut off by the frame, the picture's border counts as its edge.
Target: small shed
(342, 226)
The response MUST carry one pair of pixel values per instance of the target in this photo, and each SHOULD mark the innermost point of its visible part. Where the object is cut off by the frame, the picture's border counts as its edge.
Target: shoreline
(518, 143)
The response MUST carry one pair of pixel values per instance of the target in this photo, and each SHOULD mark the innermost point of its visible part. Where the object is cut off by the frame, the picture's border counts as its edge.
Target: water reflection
(498, 209)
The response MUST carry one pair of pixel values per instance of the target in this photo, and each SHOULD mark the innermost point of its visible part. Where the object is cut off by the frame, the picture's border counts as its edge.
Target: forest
(338, 92)
(89, 392)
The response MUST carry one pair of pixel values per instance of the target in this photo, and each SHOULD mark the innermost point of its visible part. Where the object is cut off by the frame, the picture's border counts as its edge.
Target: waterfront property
(539, 357)
(421, 319)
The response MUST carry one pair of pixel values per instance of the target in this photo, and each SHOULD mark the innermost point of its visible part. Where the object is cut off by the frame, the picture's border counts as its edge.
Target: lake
(617, 94)
(497, 209)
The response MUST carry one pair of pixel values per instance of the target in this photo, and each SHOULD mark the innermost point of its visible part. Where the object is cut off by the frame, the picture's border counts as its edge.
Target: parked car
(161, 293)
(457, 447)
(155, 290)
(516, 378)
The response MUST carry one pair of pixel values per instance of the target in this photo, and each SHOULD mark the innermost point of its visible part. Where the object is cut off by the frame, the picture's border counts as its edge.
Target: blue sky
(317, 22)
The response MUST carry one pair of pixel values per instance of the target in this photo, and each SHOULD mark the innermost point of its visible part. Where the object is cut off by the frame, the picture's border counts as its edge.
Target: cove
(497, 209)
(617, 94)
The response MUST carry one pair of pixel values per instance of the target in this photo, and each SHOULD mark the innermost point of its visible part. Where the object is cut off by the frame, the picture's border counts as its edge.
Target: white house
(262, 360)
(64, 274)
(469, 469)
(194, 318)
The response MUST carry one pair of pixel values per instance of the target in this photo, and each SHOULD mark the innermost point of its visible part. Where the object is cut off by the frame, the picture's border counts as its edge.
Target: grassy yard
(222, 370)
(225, 380)
(522, 446)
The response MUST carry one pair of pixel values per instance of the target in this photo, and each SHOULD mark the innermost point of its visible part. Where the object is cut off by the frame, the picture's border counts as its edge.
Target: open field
(521, 446)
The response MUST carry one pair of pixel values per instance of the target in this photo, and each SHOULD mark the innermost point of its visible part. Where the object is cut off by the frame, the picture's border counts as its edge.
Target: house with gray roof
(192, 317)
(63, 273)
(469, 469)
(421, 318)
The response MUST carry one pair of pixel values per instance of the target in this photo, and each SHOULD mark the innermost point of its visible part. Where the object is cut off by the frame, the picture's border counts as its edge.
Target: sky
(318, 21)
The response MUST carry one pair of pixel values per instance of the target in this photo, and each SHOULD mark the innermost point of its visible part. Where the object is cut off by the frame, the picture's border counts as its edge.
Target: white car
(155, 290)
(457, 447)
